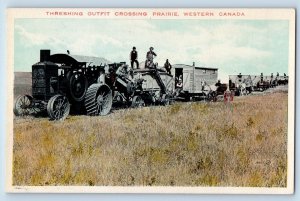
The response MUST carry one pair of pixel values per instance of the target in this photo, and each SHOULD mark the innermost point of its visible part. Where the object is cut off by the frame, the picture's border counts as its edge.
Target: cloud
(223, 53)
(229, 45)
(107, 40)
(34, 38)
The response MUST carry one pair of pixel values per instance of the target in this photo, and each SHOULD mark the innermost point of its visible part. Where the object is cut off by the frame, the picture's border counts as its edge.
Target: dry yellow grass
(185, 144)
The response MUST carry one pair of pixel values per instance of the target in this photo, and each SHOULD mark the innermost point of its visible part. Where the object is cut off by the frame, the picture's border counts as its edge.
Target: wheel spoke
(63, 102)
(35, 110)
(28, 101)
(99, 109)
(25, 101)
(22, 100)
(56, 114)
(61, 113)
(64, 106)
(24, 111)
(104, 97)
(60, 102)
(106, 102)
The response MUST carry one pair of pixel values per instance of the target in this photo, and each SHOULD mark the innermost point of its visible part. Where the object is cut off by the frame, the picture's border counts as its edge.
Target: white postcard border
(263, 13)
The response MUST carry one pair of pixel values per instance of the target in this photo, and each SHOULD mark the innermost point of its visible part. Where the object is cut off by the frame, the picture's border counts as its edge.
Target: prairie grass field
(242, 144)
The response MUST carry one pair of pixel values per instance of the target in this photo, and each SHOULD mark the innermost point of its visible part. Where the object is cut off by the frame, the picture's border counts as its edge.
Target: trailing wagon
(197, 83)
(157, 85)
(241, 84)
(245, 84)
(139, 87)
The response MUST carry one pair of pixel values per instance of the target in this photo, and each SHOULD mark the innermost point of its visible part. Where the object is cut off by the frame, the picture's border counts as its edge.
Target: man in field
(179, 85)
(168, 66)
(124, 72)
(133, 58)
(240, 77)
(149, 58)
(271, 80)
(261, 77)
(218, 84)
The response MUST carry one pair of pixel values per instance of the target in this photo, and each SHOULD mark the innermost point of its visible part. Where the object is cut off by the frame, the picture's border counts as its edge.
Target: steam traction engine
(59, 85)
(63, 83)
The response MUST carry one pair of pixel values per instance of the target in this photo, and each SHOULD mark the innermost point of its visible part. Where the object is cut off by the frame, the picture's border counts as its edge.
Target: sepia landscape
(240, 144)
(177, 100)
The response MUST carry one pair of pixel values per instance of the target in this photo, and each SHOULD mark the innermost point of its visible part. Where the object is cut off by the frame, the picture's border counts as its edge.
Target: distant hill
(22, 83)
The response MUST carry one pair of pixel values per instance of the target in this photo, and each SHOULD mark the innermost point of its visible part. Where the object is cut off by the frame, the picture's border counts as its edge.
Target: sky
(232, 46)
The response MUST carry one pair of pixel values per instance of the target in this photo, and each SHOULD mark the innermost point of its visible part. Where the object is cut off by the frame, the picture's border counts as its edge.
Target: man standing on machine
(149, 58)
(133, 58)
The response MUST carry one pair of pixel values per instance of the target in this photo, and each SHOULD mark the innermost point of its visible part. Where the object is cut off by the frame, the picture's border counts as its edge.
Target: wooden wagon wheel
(212, 96)
(137, 102)
(165, 100)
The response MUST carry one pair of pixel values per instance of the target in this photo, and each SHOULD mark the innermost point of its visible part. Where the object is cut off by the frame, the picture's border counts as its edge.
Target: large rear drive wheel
(98, 100)
(78, 85)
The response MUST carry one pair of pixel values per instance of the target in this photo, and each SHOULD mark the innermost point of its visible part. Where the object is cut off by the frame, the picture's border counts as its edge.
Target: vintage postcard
(151, 100)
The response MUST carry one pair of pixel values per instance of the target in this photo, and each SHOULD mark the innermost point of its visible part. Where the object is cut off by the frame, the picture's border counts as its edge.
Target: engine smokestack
(193, 63)
(44, 55)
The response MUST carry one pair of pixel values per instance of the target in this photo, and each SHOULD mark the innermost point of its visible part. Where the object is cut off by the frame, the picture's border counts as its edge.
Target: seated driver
(123, 71)
(101, 78)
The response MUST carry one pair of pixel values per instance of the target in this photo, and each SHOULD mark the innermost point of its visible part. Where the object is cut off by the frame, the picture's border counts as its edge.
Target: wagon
(241, 84)
(158, 86)
(282, 80)
(143, 87)
(192, 82)
(245, 84)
